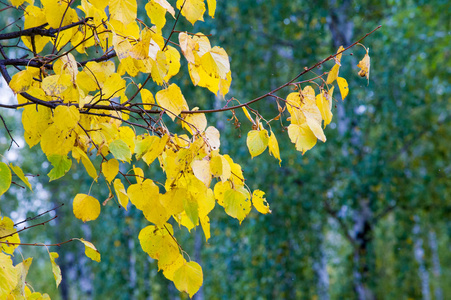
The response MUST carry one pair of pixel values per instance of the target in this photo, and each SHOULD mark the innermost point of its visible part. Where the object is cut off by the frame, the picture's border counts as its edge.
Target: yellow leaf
(193, 10)
(173, 62)
(18, 171)
(205, 223)
(35, 16)
(22, 271)
(199, 121)
(172, 101)
(248, 116)
(338, 57)
(156, 11)
(273, 146)
(189, 278)
(155, 149)
(159, 243)
(257, 141)
(169, 270)
(259, 202)
(90, 250)
(66, 65)
(333, 74)
(8, 274)
(114, 86)
(343, 85)
(123, 10)
(55, 268)
(22, 81)
(201, 169)
(110, 169)
(57, 141)
(364, 65)
(220, 167)
(145, 196)
(211, 7)
(147, 98)
(7, 228)
(55, 85)
(85, 207)
(78, 153)
(66, 117)
(302, 136)
(324, 106)
(236, 204)
(121, 193)
(212, 137)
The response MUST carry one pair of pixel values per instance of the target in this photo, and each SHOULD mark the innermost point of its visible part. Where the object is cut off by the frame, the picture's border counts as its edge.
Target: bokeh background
(366, 215)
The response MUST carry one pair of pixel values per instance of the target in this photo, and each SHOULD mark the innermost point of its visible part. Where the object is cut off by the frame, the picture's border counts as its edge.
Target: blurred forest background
(366, 215)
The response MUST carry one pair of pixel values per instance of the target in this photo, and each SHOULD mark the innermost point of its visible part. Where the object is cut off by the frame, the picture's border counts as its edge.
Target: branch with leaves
(78, 107)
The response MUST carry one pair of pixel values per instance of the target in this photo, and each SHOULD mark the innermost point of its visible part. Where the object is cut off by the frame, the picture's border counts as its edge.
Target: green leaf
(120, 150)
(61, 165)
(5, 178)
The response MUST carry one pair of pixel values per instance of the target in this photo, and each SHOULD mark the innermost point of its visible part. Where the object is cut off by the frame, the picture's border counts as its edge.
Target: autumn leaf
(257, 141)
(189, 278)
(343, 85)
(18, 171)
(90, 250)
(364, 65)
(55, 268)
(259, 202)
(5, 178)
(85, 207)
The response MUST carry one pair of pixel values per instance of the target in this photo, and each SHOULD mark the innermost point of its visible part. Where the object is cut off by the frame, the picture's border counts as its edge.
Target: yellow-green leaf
(189, 278)
(18, 171)
(259, 202)
(61, 165)
(90, 250)
(236, 204)
(85, 207)
(120, 150)
(5, 178)
(257, 141)
(6, 229)
(55, 268)
(8, 275)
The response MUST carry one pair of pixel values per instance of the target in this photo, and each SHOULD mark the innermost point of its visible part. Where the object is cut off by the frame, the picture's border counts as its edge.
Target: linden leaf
(22, 271)
(236, 204)
(21, 81)
(121, 193)
(57, 141)
(123, 10)
(110, 169)
(55, 268)
(35, 16)
(189, 278)
(5, 178)
(259, 202)
(343, 85)
(61, 165)
(257, 141)
(201, 169)
(193, 10)
(302, 136)
(7, 229)
(333, 74)
(35, 121)
(159, 243)
(8, 275)
(85, 207)
(66, 117)
(77, 153)
(198, 121)
(90, 250)
(324, 106)
(273, 146)
(172, 101)
(364, 65)
(212, 137)
(120, 150)
(211, 7)
(18, 171)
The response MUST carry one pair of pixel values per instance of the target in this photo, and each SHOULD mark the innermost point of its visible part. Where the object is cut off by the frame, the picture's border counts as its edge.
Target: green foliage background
(391, 162)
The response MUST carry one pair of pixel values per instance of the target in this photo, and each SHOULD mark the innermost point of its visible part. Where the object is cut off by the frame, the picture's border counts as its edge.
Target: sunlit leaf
(85, 207)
